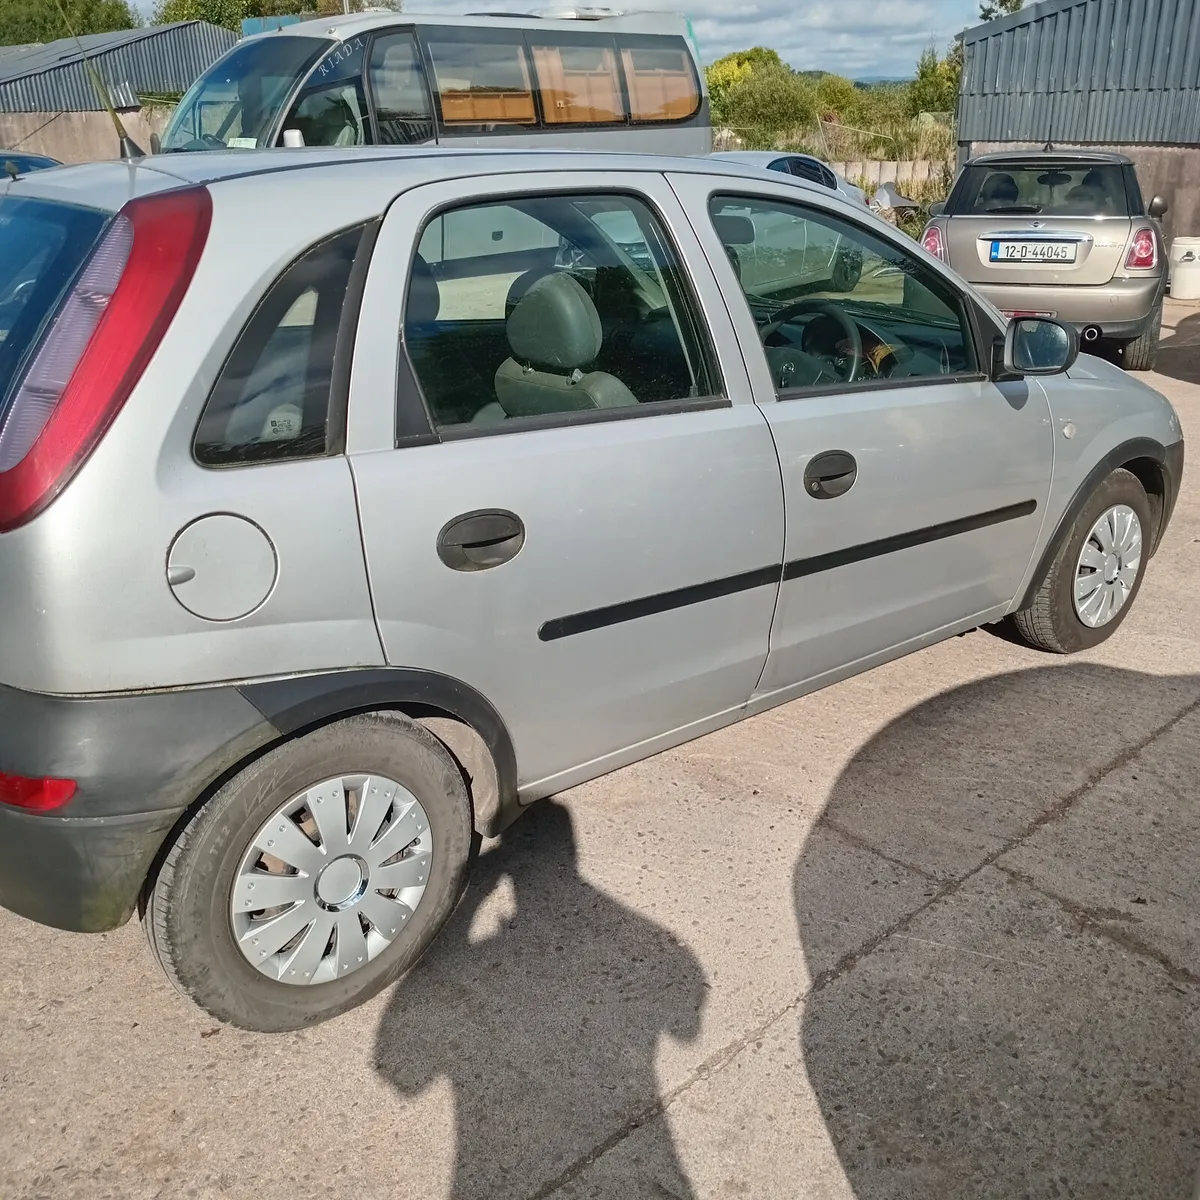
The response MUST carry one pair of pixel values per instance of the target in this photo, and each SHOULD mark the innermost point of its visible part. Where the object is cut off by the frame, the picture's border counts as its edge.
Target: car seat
(1000, 188)
(554, 334)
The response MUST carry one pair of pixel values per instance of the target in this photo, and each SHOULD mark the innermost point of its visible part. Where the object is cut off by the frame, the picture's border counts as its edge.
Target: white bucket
(1185, 272)
(1179, 247)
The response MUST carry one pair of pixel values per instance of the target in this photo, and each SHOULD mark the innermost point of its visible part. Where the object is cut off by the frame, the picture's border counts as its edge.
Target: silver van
(339, 523)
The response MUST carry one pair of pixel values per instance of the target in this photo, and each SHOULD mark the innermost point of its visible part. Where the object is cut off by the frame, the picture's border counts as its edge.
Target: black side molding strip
(645, 606)
(630, 610)
(800, 567)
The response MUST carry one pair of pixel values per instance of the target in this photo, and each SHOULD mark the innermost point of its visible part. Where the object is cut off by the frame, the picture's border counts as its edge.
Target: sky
(858, 38)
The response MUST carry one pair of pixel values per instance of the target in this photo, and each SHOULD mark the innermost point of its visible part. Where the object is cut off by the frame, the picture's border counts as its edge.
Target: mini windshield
(1038, 189)
(235, 104)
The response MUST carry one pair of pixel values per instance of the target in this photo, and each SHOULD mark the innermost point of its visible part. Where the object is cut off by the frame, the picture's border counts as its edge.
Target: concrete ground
(932, 933)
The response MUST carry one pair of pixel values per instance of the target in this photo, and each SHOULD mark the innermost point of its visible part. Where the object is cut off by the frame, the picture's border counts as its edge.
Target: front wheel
(316, 876)
(1096, 574)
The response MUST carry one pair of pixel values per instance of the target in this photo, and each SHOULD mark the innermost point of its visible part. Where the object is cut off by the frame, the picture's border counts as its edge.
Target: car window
(550, 305)
(480, 82)
(332, 109)
(1038, 189)
(836, 305)
(271, 399)
(580, 84)
(398, 89)
(805, 168)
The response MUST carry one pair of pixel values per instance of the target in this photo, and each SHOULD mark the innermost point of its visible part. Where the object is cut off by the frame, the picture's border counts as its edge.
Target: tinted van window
(398, 87)
(1071, 190)
(661, 78)
(482, 82)
(271, 400)
(579, 84)
(42, 247)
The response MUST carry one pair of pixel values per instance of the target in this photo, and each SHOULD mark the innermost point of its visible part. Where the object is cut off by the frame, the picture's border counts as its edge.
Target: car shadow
(546, 1024)
(1179, 351)
(993, 1011)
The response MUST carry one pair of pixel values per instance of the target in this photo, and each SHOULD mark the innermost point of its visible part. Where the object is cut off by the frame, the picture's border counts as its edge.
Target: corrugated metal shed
(1077, 71)
(160, 59)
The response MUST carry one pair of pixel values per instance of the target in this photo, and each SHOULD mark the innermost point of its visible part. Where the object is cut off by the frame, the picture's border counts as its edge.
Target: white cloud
(851, 37)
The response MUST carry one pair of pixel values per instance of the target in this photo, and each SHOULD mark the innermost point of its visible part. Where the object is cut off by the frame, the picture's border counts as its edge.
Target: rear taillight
(1143, 252)
(97, 347)
(36, 795)
(931, 239)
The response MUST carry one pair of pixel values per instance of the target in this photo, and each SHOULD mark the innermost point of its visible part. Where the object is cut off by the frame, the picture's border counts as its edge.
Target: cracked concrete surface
(934, 932)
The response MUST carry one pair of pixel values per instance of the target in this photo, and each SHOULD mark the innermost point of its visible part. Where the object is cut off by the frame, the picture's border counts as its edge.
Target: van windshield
(234, 105)
(1040, 189)
(42, 246)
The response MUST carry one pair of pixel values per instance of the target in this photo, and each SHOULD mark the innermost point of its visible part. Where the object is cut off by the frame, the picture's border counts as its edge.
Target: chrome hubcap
(331, 879)
(1108, 566)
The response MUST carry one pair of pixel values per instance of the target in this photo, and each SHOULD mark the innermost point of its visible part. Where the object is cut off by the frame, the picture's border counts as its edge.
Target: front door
(915, 487)
(578, 511)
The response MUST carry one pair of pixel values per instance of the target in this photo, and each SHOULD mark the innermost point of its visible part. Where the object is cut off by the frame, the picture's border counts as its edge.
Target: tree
(24, 21)
(769, 105)
(756, 56)
(231, 13)
(935, 88)
(989, 10)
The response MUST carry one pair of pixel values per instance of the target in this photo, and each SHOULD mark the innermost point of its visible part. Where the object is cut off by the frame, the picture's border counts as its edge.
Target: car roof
(1049, 158)
(755, 156)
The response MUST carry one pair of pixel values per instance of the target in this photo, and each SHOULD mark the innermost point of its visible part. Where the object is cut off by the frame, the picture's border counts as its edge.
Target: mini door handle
(830, 474)
(476, 541)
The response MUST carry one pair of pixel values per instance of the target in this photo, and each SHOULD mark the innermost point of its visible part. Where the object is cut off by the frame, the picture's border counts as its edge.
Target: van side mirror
(937, 208)
(1036, 346)
(155, 144)
(293, 138)
(1158, 207)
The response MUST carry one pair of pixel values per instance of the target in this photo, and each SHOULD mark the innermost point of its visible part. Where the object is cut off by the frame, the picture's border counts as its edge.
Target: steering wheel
(836, 313)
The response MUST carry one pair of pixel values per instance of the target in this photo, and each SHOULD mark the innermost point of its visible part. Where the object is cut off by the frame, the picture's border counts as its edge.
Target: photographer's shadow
(547, 1023)
(1032, 1031)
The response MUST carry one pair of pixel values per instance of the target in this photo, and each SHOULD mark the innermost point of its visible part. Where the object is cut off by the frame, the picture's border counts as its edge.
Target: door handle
(476, 541)
(830, 474)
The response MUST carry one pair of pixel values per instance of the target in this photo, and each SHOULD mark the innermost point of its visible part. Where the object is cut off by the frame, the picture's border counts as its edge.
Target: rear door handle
(477, 541)
(830, 474)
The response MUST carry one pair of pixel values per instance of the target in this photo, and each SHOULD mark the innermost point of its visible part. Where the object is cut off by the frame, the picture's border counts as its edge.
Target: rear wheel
(315, 877)
(1096, 574)
(1142, 353)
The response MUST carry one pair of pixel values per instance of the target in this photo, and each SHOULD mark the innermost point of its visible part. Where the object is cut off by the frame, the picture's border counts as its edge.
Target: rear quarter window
(272, 398)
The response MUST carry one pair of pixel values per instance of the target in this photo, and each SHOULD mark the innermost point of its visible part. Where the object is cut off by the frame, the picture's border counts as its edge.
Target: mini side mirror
(1036, 346)
(937, 208)
(1158, 207)
(293, 138)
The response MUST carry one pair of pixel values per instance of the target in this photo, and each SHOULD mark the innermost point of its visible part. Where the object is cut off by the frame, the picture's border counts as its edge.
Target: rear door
(1039, 223)
(605, 576)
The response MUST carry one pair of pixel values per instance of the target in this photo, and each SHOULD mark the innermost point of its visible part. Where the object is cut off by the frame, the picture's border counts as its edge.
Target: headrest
(999, 187)
(734, 230)
(555, 325)
(424, 299)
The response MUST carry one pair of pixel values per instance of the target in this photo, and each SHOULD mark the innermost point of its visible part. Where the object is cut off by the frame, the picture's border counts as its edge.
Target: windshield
(42, 246)
(236, 102)
(1036, 189)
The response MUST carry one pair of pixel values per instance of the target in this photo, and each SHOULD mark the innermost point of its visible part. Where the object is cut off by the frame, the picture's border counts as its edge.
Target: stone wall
(78, 136)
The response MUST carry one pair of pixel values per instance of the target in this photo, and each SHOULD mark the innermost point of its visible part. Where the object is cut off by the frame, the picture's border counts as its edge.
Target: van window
(236, 102)
(482, 82)
(271, 399)
(661, 79)
(579, 83)
(499, 330)
(332, 109)
(398, 89)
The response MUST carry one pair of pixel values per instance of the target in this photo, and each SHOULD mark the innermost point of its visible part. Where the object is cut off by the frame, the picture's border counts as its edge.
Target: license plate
(1051, 252)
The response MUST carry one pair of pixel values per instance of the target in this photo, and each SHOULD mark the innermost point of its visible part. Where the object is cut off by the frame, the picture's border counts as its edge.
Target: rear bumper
(138, 763)
(1120, 309)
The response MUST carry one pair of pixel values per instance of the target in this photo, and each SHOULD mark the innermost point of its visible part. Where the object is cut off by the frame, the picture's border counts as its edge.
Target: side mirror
(293, 138)
(1158, 207)
(155, 144)
(937, 208)
(1036, 346)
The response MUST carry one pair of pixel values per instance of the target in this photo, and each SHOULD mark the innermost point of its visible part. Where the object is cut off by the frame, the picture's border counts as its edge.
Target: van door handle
(477, 541)
(830, 474)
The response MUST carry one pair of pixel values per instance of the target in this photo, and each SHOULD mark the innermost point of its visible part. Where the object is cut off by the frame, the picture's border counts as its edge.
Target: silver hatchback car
(351, 502)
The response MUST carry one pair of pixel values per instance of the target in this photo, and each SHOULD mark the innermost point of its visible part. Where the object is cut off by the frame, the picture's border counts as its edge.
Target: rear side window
(272, 398)
(398, 87)
(482, 82)
(661, 79)
(580, 85)
(42, 247)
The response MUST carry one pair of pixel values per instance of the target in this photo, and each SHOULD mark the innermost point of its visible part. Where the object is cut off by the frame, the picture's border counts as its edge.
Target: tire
(847, 271)
(1051, 622)
(188, 916)
(1142, 353)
